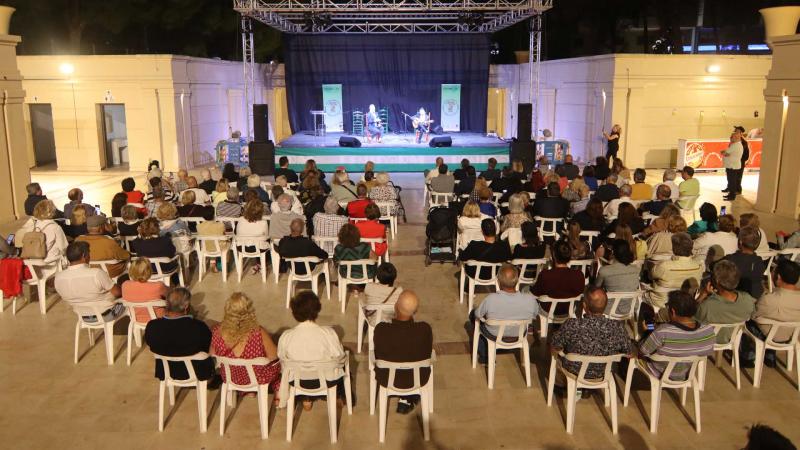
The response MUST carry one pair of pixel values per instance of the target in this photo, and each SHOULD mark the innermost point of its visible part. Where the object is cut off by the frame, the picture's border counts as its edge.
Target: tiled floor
(47, 401)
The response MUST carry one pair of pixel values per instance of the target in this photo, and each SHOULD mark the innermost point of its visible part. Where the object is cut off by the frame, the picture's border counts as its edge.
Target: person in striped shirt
(681, 336)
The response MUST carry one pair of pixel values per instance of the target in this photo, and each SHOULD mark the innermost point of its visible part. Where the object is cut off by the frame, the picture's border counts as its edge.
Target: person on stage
(423, 125)
(373, 125)
(613, 142)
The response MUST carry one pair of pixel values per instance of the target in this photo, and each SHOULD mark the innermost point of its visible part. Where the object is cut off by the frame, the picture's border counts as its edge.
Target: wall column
(14, 168)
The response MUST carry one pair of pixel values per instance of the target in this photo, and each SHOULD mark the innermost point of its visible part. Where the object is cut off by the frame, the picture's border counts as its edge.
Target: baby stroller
(441, 235)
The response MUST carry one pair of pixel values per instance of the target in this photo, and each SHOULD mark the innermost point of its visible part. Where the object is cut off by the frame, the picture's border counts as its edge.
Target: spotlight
(66, 68)
(713, 68)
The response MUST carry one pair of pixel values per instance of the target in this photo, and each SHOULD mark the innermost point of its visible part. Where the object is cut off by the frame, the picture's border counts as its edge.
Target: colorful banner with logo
(555, 151)
(332, 102)
(451, 107)
(706, 154)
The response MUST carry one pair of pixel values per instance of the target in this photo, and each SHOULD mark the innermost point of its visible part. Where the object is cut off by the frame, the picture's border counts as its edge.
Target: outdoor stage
(397, 152)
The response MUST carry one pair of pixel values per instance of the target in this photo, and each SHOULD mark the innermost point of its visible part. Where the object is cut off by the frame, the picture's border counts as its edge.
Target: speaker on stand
(262, 150)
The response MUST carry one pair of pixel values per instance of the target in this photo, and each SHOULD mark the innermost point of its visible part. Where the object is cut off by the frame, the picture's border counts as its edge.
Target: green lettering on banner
(451, 107)
(332, 103)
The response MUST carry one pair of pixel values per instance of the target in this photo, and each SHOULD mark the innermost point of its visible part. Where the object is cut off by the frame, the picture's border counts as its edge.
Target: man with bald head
(295, 245)
(403, 340)
(591, 335)
(505, 304)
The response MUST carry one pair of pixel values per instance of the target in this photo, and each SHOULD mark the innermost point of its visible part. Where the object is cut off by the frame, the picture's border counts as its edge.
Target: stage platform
(397, 152)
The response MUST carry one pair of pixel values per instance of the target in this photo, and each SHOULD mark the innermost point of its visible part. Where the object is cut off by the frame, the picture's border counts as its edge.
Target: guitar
(415, 121)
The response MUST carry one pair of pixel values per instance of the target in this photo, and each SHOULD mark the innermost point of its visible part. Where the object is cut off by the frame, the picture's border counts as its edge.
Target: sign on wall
(332, 103)
(706, 154)
(451, 107)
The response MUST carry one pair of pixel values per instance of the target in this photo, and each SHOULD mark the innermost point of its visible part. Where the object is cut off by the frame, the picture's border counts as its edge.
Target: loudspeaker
(523, 151)
(524, 120)
(260, 123)
(349, 141)
(441, 141)
(262, 158)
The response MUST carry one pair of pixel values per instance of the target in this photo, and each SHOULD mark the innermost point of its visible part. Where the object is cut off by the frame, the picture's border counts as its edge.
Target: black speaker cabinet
(524, 120)
(523, 151)
(441, 141)
(349, 141)
(262, 157)
(260, 123)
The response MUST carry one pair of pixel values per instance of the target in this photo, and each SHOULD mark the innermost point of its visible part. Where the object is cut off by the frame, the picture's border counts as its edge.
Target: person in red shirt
(561, 281)
(356, 208)
(371, 228)
(129, 188)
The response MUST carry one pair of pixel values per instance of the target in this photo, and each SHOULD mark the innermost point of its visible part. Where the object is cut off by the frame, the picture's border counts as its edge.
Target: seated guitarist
(373, 125)
(422, 125)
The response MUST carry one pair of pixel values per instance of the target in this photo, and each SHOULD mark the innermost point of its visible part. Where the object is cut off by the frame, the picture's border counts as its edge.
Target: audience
(295, 245)
(580, 248)
(752, 220)
(188, 208)
(655, 207)
(130, 221)
(208, 184)
(139, 289)
(601, 170)
(593, 334)
(582, 198)
(788, 241)
(626, 215)
(609, 190)
(725, 237)
(170, 224)
(178, 333)
(589, 178)
(660, 244)
(279, 222)
(531, 246)
(661, 222)
(151, 243)
(719, 301)
(254, 184)
(158, 182)
(75, 196)
(104, 248)
(350, 248)
(491, 173)
(80, 284)
(155, 200)
(230, 207)
(372, 228)
(612, 208)
(462, 172)
(77, 223)
(490, 249)
(670, 274)
(35, 195)
(782, 304)
(621, 275)
(355, 209)
(689, 187)
(117, 202)
(284, 170)
(200, 195)
(444, 182)
(297, 207)
(240, 336)
(220, 193)
(466, 185)
(436, 171)
(182, 183)
(751, 266)
(516, 213)
(342, 189)
(230, 174)
(486, 204)
(591, 218)
(560, 281)
(383, 191)
(382, 291)
(551, 205)
(328, 222)
(310, 342)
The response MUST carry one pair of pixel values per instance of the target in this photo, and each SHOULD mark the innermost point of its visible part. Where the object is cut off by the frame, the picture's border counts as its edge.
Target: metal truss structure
(391, 16)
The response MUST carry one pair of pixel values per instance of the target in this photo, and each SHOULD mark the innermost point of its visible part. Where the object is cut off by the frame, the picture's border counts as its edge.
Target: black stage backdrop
(401, 72)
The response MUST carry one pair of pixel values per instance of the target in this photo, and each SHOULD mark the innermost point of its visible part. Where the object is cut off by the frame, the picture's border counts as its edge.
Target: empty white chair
(375, 311)
(791, 253)
(373, 242)
(591, 236)
(168, 383)
(349, 276)
(551, 317)
(389, 213)
(478, 280)
(529, 270)
(136, 328)
(293, 372)
(548, 226)
(624, 306)
(579, 381)
(310, 275)
(657, 384)
(95, 309)
(241, 253)
(503, 342)
(791, 347)
(40, 273)
(164, 275)
(212, 247)
(229, 389)
(425, 392)
(736, 330)
(275, 258)
(327, 243)
(769, 258)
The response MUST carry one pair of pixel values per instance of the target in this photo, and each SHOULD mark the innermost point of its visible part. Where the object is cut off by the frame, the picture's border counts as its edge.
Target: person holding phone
(6, 247)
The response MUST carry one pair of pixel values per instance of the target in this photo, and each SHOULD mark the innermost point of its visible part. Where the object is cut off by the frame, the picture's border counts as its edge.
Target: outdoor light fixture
(713, 68)
(66, 68)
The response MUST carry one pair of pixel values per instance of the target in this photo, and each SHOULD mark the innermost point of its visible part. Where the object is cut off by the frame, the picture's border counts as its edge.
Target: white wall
(657, 99)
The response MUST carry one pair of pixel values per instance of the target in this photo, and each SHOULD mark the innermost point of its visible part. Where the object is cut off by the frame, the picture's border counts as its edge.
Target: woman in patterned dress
(240, 336)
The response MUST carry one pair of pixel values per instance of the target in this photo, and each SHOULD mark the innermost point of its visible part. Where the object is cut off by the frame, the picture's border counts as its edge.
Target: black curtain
(401, 72)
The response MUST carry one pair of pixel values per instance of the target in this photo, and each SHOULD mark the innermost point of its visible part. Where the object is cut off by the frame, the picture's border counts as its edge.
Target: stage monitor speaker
(524, 120)
(349, 141)
(525, 152)
(441, 141)
(262, 158)
(260, 122)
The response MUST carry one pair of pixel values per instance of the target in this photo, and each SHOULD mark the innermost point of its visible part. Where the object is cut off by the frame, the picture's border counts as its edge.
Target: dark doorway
(113, 135)
(44, 141)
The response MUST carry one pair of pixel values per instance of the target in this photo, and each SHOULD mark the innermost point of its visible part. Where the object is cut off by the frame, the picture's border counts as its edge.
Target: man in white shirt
(200, 195)
(612, 208)
(725, 237)
(309, 342)
(732, 161)
(669, 180)
(433, 173)
(79, 283)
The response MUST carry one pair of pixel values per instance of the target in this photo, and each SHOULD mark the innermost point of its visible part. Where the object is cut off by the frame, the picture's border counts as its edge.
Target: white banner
(451, 107)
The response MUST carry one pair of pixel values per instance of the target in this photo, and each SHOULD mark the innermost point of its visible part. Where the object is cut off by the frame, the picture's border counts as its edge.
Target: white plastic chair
(616, 301)
(373, 243)
(96, 310)
(529, 270)
(769, 258)
(327, 243)
(440, 198)
(502, 342)
(311, 275)
(165, 276)
(792, 253)
(657, 384)
(126, 243)
(549, 317)
(732, 345)
(586, 266)
(212, 247)
(229, 389)
(791, 347)
(110, 262)
(193, 220)
(477, 280)
(40, 273)
(379, 311)
(349, 278)
(241, 253)
(275, 258)
(425, 392)
(688, 202)
(579, 381)
(548, 226)
(591, 237)
(389, 213)
(295, 371)
(136, 328)
(168, 383)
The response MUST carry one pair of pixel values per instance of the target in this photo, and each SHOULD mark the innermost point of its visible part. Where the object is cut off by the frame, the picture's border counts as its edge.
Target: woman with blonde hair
(516, 213)
(139, 288)
(382, 191)
(240, 336)
(130, 221)
(469, 224)
(660, 222)
(77, 222)
(342, 188)
(661, 243)
(220, 193)
(170, 224)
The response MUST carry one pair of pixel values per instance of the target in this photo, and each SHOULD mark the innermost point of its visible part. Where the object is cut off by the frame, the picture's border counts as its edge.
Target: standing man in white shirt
(732, 161)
